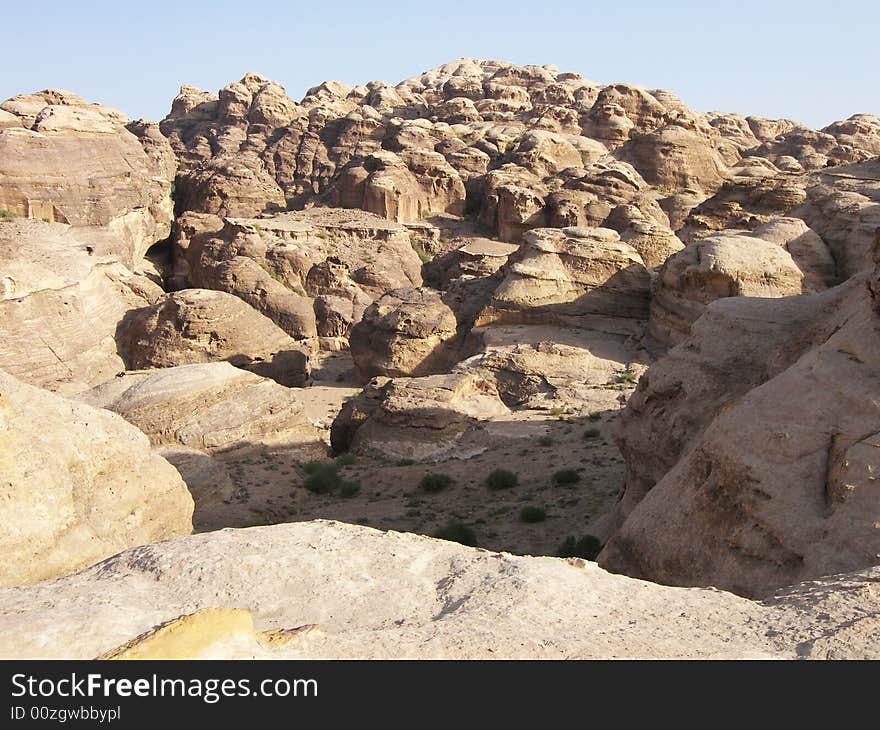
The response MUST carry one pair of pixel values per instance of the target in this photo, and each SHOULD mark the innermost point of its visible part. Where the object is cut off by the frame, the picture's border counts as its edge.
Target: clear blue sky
(810, 61)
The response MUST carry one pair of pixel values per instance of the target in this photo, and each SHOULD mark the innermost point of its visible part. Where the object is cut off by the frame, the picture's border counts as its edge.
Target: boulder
(569, 275)
(406, 332)
(200, 325)
(425, 419)
(722, 265)
(79, 484)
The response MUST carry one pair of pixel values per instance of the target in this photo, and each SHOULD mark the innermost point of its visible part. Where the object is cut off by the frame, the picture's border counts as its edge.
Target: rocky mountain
(496, 305)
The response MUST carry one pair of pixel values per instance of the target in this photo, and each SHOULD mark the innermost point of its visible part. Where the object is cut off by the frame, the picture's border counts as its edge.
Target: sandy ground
(535, 444)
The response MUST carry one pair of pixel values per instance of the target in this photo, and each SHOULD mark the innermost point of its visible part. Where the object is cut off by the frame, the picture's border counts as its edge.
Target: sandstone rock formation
(757, 468)
(64, 300)
(198, 415)
(312, 273)
(524, 148)
(320, 590)
(79, 485)
(204, 406)
(68, 161)
(561, 276)
(721, 265)
(406, 332)
(427, 419)
(199, 325)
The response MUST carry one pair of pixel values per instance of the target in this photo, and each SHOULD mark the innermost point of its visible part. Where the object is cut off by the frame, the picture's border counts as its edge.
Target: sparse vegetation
(404, 462)
(457, 532)
(434, 482)
(345, 460)
(557, 411)
(588, 547)
(595, 416)
(545, 441)
(566, 476)
(501, 479)
(349, 489)
(6, 215)
(322, 477)
(592, 433)
(629, 376)
(416, 244)
(532, 514)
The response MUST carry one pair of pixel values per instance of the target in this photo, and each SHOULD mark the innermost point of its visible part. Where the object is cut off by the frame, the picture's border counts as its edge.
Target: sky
(809, 61)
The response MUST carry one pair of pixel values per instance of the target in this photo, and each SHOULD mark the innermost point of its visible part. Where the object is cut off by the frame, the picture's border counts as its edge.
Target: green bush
(592, 433)
(595, 416)
(532, 514)
(404, 462)
(629, 376)
(349, 489)
(566, 476)
(345, 459)
(545, 441)
(501, 479)
(457, 532)
(433, 482)
(557, 410)
(322, 477)
(588, 547)
(6, 215)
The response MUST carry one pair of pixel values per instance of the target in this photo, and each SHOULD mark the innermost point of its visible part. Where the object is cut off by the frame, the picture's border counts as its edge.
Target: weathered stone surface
(406, 332)
(766, 477)
(564, 275)
(722, 265)
(64, 299)
(68, 161)
(320, 590)
(79, 485)
(200, 325)
(311, 272)
(426, 419)
(205, 406)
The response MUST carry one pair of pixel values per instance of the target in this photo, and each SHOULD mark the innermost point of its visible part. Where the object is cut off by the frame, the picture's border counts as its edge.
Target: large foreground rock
(78, 484)
(752, 448)
(330, 590)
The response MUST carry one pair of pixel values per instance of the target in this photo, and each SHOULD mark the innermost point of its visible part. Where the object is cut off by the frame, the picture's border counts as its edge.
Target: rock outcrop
(313, 273)
(199, 325)
(406, 332)
(427, 419)
(204, 406)
(320, 590)
(79, 484)
(69, 161)
(563, 276)
(64, 304)
(757, 468)
(721, 265)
